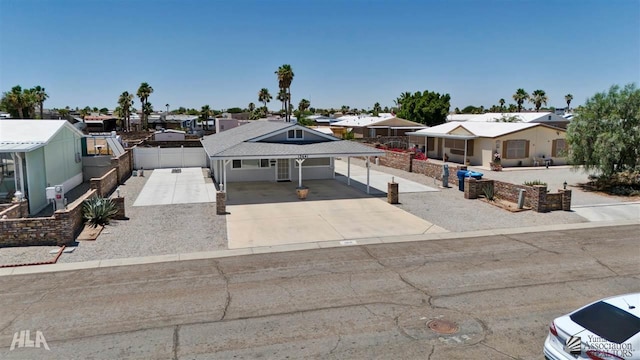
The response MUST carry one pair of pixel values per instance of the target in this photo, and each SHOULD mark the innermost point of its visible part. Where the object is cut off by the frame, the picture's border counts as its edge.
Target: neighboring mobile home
(42, 153)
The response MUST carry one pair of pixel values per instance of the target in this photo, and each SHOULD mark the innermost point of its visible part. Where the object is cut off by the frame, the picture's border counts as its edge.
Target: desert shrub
(98, 211)
(489, 193)
(535, 182)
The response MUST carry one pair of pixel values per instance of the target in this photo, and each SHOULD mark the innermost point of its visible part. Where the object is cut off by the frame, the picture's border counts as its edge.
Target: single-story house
(169, 135)
(42, 153)
(373, 126)
(277, 151)
(100, 123)
(518, 144)
(179, 121)
(547, 118)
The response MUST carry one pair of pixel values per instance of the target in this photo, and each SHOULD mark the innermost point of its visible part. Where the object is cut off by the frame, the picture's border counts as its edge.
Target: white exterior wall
(269, 174)
(169, 136)
(158, 158)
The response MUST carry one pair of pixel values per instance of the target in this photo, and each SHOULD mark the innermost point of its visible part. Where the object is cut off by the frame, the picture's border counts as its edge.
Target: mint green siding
(36, 180)
(60, 157)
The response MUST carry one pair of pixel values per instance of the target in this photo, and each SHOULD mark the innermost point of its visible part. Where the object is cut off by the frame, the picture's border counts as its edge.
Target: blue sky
(356, 53)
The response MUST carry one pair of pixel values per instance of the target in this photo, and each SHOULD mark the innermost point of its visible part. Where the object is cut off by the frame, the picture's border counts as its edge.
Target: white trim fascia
(294, 126)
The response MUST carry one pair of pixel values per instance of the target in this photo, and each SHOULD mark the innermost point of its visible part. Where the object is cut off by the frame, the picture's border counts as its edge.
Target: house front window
(250, 164)
(456, 146)
(559, 148)
(294, 134)
(315, 162)
(515, 149)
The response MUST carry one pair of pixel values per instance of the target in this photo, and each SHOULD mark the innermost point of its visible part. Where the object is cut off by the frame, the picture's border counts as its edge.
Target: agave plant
(98, 211)
(489, 193)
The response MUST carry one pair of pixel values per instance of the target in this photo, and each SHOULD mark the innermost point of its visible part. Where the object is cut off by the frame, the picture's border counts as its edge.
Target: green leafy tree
(104, 111)
(520, 97)
(428, 107)
(251, 107)
(538, 98)
(568, 99)
(604, 134)
(64, 113)
(303, 105)
(205, 114)
(285, 78)
(144, 91)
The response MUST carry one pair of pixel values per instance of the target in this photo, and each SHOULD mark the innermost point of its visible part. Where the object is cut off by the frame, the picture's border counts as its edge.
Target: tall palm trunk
(41, 112)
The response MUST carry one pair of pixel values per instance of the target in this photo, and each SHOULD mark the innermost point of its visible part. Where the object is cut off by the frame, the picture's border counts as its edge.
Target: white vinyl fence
(158, 158)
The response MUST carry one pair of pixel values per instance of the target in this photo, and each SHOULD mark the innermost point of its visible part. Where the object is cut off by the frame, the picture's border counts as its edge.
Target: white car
(608, 329)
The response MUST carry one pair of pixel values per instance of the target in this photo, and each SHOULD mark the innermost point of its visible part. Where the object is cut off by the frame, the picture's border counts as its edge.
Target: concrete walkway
(609, 212)
(377, 180)
(186, 187)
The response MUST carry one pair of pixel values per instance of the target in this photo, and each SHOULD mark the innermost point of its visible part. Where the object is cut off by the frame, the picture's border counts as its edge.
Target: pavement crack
(605, 266)
(336, 345)
(176, 341)
(402, 331)
(25, 311)
(498, 351)
(226, 286)
(532, 245)
(433, 349)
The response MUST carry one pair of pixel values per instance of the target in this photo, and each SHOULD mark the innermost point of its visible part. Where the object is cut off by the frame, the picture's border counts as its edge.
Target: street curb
(304, 246)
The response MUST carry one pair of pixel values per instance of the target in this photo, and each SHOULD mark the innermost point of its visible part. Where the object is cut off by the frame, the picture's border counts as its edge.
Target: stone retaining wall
(535, 197)
(106, 184)
(59, 229)
(15, 210)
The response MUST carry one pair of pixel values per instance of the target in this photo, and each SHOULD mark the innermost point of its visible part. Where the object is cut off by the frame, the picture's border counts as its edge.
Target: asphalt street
(353, 302)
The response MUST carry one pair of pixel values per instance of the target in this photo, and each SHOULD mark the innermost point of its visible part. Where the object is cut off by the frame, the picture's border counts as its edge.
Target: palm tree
(538, 98)
(520, 97)
(303, 105)
(403, 97)
(15, 100)
(40, 96)
(143, 93)
(282, 97)
(501, 101)
(264, 97)
(205, 113)
(251, 107)
(84, 112)
(568, 99)
(285, 78)
(125, 101)
(147, 109)
(376, 109)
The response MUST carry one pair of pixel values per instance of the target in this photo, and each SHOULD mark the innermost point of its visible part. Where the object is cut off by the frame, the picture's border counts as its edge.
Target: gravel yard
(155, 230)
(449, 209)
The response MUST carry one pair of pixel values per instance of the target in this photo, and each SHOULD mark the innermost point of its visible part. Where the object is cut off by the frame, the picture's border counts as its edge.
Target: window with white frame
(295, 134)
(250, 164)
(315, 162)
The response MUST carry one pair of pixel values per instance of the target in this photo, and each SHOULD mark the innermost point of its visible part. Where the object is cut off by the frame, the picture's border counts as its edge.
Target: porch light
(564, 185)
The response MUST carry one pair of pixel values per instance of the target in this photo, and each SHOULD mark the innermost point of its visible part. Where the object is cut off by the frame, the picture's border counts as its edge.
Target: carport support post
(465, 152)
(368, 165)
(299, 161)
(224, 181)
(348, 170)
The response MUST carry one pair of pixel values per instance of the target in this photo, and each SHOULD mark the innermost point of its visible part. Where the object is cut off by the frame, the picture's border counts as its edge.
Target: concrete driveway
(267, 214)
(164, 187)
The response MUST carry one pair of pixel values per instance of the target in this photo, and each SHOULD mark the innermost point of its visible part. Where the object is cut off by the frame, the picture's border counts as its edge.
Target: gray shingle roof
(234, 144)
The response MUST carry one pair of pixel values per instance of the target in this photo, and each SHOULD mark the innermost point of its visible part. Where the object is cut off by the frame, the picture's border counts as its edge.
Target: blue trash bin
(461, 175)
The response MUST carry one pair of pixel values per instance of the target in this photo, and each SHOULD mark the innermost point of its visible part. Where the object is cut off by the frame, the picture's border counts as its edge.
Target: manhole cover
(443, 326)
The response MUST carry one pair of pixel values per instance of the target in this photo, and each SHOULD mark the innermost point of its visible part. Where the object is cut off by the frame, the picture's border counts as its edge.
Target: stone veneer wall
(59, 229)
(15, 210)
(123, 165)
(536, 197)
(105, 184)
(435, 170)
